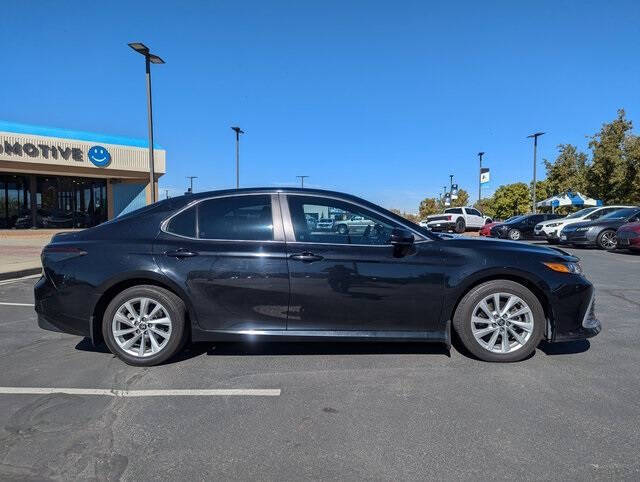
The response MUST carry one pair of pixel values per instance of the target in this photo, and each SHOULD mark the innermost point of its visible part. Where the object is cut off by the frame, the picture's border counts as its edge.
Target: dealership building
(59, 178)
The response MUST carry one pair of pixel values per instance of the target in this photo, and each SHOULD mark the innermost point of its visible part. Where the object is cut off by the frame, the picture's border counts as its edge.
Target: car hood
(506, 245)
(553, 221)
(605, 223)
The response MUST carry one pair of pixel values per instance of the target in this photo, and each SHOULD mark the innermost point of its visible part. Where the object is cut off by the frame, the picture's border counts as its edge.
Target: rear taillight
(52, 253)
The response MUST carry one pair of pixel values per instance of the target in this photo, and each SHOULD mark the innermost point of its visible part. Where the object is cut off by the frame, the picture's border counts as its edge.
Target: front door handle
(181, 253)
(306, 257)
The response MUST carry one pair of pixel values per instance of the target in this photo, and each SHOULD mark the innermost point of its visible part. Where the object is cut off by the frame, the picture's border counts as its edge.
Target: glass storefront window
(15, 201)
(70, 202)
(62, 202)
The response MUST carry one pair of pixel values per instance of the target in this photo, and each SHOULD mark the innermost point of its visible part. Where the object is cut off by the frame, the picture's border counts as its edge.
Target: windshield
(514, 219)
(621, 213)
(581, 213)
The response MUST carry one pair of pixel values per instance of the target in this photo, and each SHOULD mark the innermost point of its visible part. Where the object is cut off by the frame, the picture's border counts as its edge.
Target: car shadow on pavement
(564, 348)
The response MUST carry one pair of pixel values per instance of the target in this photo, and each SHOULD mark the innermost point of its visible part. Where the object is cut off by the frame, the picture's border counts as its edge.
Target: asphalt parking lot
(336, 411)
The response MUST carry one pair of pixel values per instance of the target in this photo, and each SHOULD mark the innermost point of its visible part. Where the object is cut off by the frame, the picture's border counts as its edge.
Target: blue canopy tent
(568, 199)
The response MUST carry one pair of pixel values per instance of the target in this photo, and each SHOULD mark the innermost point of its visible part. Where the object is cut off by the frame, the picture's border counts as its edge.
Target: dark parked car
(521, 227)
(600, 232)
(628, 236)
(246, 263)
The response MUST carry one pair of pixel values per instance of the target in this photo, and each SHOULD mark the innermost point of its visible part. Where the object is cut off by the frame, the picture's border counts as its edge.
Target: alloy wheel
(514, 234)
(608, 240)
(502, 323)
(141, 327)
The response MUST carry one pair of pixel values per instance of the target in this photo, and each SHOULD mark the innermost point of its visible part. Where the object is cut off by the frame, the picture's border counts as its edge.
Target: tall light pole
(535, 153)
(302, 178)
(238, 131)
(149, 59)
(480, 154)
(191, 178)
(450, 182)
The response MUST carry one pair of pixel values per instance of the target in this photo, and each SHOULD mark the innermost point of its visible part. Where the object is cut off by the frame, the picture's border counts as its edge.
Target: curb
(19, 274)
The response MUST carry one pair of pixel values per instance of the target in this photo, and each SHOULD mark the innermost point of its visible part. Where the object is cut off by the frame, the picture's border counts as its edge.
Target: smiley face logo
(99, 156)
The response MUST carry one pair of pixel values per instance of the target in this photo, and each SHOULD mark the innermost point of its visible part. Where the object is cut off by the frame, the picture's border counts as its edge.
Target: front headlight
(573, 268)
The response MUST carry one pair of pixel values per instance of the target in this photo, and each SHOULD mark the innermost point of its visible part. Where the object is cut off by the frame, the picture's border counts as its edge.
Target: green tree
(612, 173)
(568, 172)
(463, 199)
(428, 206)
(511, 199)
(485, 206)
(543, 191)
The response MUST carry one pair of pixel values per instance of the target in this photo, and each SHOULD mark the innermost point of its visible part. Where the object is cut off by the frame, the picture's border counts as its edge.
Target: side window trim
(276, 220)
(288, 223)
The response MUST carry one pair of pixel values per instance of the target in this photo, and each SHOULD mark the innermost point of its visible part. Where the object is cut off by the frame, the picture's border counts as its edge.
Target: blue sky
(380, 99)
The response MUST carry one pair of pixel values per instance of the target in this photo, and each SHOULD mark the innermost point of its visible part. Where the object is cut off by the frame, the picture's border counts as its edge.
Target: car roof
(268, 190)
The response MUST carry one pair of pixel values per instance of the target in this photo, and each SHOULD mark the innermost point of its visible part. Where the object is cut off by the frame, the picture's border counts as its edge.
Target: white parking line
(16, 304)
(231, 392)
(15, 280)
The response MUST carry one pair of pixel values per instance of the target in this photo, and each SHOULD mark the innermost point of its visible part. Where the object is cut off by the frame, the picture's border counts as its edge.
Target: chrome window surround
(290, 235)
(276, 219)
(282, 226)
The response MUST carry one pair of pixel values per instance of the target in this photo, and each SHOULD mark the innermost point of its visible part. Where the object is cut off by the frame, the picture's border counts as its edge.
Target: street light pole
(149, 58)
(191, 178)
(535, 152)
(480, 154)
(238, 131)
(450, 182)
(302, 178)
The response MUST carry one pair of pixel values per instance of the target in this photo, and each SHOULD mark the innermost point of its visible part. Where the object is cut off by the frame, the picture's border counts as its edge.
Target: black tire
(607, 240)
(463, 314)
(460, 226)
(514, 235)
(175, 309)
(342, 229)
(552, 241)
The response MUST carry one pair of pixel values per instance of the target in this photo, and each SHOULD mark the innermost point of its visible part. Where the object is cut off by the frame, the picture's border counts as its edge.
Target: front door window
(329, 221)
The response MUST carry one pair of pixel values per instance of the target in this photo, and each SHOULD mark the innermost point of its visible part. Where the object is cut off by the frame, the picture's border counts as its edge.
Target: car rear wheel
(343, 229)
(144, 325)
(461, 226)
(514, 234)
(607, 239)
(500, 321)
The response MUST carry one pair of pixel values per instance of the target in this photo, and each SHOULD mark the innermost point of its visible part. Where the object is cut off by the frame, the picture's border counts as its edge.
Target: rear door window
(242, 218)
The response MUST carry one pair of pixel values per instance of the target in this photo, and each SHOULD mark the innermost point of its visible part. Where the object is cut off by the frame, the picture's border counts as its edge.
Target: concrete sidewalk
(20, 251)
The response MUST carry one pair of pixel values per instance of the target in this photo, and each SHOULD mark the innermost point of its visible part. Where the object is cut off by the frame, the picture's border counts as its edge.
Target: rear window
(453, 211)
(184, 223)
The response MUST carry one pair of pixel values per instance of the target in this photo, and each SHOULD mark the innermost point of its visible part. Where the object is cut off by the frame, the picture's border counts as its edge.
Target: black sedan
(246, 263)
(600, 232)
(520, 227)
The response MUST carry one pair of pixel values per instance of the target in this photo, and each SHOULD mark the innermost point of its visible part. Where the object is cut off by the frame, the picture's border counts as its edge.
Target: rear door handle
(306, 257)
(181, 253)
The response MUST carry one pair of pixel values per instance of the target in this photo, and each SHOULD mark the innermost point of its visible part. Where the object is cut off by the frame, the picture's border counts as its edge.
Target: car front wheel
(500, 321)
(514, 234)
(144, 325)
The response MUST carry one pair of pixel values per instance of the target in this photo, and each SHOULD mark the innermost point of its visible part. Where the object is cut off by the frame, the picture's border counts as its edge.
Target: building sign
(97, 154)
(484, 175)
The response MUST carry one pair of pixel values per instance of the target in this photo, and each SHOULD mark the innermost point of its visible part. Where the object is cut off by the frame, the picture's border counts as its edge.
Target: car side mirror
(401, 238)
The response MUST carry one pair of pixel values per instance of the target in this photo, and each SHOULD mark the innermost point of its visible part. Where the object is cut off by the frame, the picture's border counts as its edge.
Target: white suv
(456, 219)
(551, 229)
